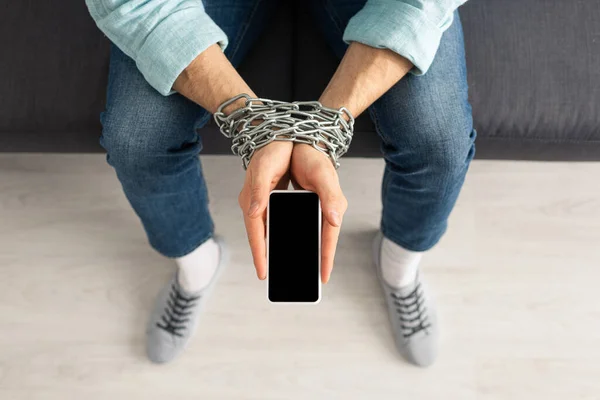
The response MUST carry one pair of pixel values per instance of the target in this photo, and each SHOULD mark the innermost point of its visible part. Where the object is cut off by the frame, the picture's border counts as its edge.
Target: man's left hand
(313, 170)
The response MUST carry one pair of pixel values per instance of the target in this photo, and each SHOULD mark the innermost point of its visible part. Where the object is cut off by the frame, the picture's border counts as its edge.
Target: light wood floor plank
(516, 279)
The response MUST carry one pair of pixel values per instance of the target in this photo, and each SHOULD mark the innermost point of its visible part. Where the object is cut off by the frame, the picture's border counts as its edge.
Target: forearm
(363, 76)
(210, 80)
(161, 36)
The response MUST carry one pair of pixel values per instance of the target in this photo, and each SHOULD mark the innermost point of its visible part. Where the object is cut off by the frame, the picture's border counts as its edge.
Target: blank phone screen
(294, 232)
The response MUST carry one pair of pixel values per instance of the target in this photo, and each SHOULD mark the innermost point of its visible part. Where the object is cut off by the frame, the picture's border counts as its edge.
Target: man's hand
(314, 171)
(268, 170)
(363, 76)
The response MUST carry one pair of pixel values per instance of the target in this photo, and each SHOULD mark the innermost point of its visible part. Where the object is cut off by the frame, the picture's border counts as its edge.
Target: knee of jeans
(452, 156)
(445, 153)
(131, 145)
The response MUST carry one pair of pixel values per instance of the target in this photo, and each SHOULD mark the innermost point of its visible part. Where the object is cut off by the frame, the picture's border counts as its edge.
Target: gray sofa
(534, 75)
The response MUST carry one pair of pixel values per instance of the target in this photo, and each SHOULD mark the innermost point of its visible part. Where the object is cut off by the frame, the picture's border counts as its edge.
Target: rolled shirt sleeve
(411, 28)
(162, 36)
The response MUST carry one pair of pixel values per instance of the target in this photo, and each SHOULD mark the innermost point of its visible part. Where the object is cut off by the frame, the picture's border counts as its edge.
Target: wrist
(236, 105)
(336, 103)
(210, 80)
(326, 129)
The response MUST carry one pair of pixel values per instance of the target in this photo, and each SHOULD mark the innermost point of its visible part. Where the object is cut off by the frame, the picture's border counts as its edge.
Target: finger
(329, 239)
(333, 201)
(255, 228)
(334, 206)
(260, 187)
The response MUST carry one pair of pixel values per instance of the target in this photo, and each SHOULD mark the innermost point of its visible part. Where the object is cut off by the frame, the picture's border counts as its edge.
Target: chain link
(262, 121)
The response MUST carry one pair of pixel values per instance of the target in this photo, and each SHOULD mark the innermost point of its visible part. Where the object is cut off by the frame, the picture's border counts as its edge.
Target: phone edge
(320, 212)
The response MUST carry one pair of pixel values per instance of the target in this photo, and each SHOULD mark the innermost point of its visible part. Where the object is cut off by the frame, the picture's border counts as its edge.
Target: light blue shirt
(164, 36)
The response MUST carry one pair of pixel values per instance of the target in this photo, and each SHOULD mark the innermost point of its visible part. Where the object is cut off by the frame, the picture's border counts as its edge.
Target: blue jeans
(424, 122)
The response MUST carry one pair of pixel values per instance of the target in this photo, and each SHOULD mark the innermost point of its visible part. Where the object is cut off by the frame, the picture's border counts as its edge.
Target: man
(173, 64)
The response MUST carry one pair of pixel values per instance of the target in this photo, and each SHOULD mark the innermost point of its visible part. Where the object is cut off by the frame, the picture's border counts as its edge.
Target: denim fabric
(424, 122)
(427, 134)
(428, 142)
(152, 141)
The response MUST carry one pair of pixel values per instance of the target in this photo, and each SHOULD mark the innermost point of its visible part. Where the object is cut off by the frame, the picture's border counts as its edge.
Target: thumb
(334, 205)
(260, 187)
(333, 201)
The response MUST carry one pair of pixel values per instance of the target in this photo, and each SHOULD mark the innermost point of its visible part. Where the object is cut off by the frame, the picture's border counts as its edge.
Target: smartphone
(294, 247)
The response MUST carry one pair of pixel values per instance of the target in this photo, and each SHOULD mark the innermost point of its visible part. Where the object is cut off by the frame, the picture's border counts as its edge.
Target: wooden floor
(517, 278)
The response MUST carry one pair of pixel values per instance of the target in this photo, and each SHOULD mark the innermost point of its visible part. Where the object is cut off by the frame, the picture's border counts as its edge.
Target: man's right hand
(209, 81)
(268, 170)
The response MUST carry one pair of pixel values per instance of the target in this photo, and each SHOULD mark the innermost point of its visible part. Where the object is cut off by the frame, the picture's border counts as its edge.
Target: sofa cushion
(55, 69)
(533, 71)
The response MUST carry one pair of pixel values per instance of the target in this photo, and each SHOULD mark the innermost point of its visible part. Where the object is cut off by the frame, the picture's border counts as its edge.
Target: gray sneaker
(412, 315)
(175, 316)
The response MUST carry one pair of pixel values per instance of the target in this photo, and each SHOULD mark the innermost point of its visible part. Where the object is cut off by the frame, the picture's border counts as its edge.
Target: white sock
(399, 266)
(197, 268)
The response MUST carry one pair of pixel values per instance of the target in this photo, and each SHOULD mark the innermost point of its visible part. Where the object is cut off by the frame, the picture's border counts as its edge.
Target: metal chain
(262, 121)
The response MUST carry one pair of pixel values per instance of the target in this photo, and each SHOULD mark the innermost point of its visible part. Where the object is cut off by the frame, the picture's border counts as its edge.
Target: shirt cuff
(174, 44)
(399, 27)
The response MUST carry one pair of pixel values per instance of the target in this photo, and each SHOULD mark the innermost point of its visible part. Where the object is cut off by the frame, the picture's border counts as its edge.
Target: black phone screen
(294, 232)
